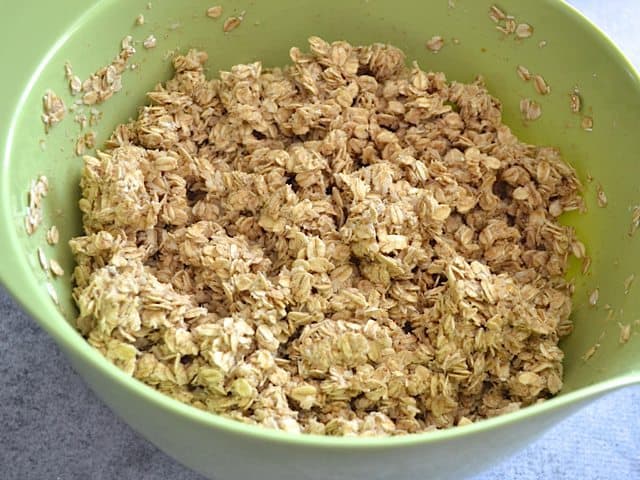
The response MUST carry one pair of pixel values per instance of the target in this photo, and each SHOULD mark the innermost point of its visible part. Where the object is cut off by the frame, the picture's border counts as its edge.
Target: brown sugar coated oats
(344, 246)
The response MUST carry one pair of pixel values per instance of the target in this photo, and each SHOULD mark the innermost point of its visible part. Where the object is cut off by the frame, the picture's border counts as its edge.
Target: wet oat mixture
(344, 246)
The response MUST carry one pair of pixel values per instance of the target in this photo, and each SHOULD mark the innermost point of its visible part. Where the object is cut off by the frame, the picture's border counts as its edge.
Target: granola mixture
(344, 246)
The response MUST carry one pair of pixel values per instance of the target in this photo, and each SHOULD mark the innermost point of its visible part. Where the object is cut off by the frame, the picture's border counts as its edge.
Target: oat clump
(344, 246)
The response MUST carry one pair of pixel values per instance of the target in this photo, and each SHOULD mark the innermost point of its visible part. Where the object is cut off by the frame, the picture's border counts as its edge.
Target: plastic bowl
(576, 55)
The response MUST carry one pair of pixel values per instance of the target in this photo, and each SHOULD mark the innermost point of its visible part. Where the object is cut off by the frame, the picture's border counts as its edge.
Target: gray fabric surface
(52, 427)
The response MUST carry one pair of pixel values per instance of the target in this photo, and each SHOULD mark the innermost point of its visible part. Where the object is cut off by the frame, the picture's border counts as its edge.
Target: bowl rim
(14, 273)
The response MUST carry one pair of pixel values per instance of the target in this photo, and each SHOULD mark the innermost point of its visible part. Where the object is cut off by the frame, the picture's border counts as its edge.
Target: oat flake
(214, 12)
(435, 44)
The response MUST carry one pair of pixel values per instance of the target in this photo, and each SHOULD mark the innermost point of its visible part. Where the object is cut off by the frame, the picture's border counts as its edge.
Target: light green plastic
(38, 37)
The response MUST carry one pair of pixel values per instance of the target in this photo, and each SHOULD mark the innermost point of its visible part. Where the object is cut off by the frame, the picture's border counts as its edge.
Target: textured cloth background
(53, 428)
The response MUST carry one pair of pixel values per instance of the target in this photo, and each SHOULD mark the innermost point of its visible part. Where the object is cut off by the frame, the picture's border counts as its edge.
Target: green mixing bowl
(576, 55)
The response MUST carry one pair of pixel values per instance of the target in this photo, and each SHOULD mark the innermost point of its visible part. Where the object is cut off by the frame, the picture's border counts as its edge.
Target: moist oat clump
(344, 246)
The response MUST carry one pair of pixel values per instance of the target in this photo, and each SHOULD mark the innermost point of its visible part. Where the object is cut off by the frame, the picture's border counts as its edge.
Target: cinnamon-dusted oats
(344, 246)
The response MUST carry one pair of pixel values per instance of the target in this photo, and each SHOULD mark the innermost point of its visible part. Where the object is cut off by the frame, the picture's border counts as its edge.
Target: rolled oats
(55, 268)
(232, 23)
(601, 196)
(53, 108)
(150, 42)
(496, 14)
(625, 333)
(42, 259)
(590, 352)
(523, 73)
(541, 85)
(214, 12)
(38, 190)
(435, 43)
(593, 297)
(53, 236)
(106, 81)
(530, 109)
(586, 265)
(628, 282)
(52, 293)
(524, 30)
(344, 246)
(574, 102)
(635, 220)
(75, 84)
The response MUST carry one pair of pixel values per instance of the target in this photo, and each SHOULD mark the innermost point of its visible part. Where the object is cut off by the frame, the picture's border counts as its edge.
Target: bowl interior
(576, 55)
